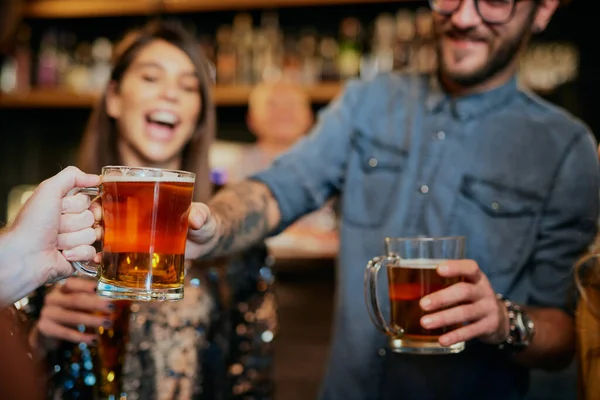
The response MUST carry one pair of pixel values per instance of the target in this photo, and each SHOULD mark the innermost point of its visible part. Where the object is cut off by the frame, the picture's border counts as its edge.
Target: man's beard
(496, 63)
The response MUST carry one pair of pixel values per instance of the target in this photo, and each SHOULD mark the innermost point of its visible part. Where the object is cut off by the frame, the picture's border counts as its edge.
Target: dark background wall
(36, 143)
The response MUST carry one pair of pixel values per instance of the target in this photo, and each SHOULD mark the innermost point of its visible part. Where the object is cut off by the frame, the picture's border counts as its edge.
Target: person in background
(463, 152)
(157, 112)
(52, 229)
(587, 278)
(280, 114)
(588, 325)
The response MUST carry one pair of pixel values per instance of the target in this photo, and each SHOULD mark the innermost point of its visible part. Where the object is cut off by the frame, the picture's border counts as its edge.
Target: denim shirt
(515, 175)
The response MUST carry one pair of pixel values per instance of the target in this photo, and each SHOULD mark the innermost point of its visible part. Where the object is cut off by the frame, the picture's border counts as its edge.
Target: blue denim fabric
(515, 175)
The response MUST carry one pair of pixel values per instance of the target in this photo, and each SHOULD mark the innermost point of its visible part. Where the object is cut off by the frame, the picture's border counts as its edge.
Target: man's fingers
(454, 316)
(76, 222)
(468, 269)
(80, 253)
(96, 210)
(67, 179)
(464, 333)
(452, 295)
(199, 214)
(75, 204)
(73, 239)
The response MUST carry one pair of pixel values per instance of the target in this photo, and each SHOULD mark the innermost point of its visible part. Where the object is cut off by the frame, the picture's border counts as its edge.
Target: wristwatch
(521, 327)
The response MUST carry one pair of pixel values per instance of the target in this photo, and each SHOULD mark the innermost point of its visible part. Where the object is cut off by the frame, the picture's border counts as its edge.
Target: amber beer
(110, 353)
(408, 282)
(145, 229)
(411, 265)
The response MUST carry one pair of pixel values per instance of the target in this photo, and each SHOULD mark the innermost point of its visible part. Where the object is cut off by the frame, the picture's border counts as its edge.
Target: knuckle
(465, 313)
(473, 265)
(90, 235)
(464, 289)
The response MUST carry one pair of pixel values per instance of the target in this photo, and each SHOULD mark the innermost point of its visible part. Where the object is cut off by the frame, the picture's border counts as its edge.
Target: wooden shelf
(223, 96)
(89, 8)
(182, 6)
(109, 8)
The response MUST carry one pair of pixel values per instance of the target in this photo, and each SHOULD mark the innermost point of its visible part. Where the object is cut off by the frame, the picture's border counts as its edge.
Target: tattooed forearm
(246, 212)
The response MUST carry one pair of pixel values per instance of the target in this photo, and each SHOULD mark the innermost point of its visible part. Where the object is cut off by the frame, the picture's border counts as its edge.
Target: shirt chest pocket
(372, 178)
(499, 223)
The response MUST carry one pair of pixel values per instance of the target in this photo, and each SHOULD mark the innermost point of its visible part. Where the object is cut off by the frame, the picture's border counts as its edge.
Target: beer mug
(145, 219)
(411, 274)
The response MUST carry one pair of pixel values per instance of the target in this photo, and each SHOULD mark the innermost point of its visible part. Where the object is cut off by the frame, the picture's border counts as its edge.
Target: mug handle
(88, 268)
(371, 298)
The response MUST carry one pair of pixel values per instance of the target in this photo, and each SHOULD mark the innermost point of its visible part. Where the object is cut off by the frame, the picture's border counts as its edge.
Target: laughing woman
(157, 111)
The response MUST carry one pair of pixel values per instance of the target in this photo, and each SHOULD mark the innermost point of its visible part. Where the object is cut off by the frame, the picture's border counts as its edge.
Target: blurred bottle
(47, 70)
(242, 38)
(328, 49)
(405, 33)
(100, 64)
(349, 48)
(226, 56)
(110, 354)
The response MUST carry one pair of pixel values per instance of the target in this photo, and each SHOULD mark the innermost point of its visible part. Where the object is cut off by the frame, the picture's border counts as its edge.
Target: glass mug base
(424, 347)
(127, 293)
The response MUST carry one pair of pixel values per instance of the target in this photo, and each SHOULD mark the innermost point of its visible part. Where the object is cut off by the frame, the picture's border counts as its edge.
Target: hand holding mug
(471, 303)
(71, 305)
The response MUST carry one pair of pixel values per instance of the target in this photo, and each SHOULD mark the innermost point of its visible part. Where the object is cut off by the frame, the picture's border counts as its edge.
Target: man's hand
(472, 301)
(50, 230)
(202, 233)
(237, 217)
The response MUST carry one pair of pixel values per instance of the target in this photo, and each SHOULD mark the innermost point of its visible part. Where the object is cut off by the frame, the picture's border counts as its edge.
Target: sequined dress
(214, 344)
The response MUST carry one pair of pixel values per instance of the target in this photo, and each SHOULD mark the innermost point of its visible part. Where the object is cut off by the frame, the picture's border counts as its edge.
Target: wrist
(521, 328)
(212, 242)
(21, 268)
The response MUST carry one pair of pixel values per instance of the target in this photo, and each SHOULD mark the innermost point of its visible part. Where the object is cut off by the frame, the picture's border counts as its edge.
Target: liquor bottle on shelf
(242, 38)
(47, 69)
(226, 56)
(405, 33)
(349, 48)
(328, 49)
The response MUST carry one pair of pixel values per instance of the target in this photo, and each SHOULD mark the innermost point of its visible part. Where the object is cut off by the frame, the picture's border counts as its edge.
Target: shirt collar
(470, 106)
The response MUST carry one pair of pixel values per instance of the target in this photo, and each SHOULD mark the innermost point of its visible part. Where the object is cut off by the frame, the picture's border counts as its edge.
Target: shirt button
(381, 352)
(372, 162)
(441, 135)
(424, 189)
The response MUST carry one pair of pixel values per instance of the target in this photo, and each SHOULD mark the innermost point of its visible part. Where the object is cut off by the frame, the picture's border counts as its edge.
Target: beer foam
(167, 177)
(421, 263)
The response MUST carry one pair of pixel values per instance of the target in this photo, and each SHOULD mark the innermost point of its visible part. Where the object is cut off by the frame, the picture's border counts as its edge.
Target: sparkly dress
(216, 343)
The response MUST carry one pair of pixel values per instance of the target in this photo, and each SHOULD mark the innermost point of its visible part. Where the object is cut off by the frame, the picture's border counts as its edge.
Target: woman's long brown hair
(587, 277)
(99, 144)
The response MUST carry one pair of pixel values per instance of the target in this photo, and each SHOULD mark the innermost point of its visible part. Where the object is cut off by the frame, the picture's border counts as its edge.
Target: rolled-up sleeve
(568, 226)
(304, 178)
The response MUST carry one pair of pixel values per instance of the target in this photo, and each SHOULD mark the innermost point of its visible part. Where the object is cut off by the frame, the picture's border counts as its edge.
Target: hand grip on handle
(88, 268)
(371, 298)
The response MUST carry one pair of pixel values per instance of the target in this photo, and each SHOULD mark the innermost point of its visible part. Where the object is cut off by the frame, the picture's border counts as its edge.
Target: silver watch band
(521, 328)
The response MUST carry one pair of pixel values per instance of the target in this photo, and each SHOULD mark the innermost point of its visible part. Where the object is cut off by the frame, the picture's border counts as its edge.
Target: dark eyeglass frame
(476, 2)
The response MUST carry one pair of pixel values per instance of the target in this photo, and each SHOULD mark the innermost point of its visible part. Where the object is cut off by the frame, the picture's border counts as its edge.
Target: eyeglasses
(490, 11)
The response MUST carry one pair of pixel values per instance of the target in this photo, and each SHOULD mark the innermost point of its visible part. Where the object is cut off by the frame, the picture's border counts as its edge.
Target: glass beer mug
(411, 274)
(145, 220)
